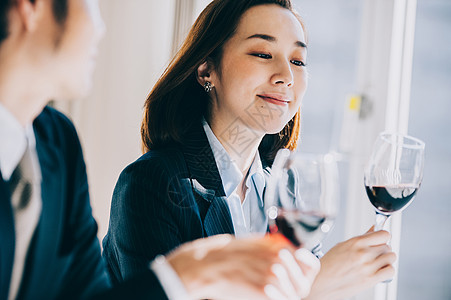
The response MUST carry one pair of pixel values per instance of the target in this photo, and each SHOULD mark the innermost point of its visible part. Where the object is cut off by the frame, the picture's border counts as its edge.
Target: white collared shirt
(13, 137)
(16, 143)
(248, 216)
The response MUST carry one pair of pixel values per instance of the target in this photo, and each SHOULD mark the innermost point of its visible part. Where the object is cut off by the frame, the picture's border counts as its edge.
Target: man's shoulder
(52, 118)
(53, 130)
(51, 122)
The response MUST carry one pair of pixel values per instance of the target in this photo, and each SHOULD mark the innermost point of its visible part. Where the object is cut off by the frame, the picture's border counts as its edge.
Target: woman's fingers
(298, 279)
(385, 273)
(278, 269)
(384, 260)
(354, 265)
(310, 264)
(273, 293)
(373, 238)
(369, 254)
(285, 281)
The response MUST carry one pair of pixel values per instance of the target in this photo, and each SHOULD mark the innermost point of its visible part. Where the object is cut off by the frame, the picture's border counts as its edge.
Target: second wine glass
(302, 196)
(393, 174)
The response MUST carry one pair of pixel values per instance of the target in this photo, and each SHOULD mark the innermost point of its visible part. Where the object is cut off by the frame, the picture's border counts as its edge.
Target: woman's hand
(222, 267)
(353, 266)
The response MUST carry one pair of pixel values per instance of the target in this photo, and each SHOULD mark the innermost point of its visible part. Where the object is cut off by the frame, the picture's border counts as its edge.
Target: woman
(212, 125)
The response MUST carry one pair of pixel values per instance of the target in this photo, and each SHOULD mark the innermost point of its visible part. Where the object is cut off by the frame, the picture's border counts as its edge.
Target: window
(425, 257)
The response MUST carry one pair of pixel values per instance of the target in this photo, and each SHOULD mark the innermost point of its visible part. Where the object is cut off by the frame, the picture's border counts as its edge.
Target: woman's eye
(299, 63)
(262, 55)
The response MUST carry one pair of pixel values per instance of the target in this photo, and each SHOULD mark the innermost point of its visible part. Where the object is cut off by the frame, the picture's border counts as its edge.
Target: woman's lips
(274, 99)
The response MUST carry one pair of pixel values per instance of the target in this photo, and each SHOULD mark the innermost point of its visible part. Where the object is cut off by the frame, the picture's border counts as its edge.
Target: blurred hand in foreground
(222, 267)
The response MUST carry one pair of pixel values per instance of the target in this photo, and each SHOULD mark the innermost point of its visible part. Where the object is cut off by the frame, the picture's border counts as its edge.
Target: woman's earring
(208, 86)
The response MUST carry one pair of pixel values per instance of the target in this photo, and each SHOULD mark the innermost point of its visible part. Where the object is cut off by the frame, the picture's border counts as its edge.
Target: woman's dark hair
(178, 101)
(59, 8)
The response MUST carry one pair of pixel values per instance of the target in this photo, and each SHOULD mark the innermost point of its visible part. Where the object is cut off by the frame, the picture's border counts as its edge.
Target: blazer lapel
(44, 248)
(206, 181)
(217, 219)
(267, 175)
(200, 160)
(7, 238)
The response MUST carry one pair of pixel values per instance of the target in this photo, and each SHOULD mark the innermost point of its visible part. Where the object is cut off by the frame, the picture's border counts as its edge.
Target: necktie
(25, 186)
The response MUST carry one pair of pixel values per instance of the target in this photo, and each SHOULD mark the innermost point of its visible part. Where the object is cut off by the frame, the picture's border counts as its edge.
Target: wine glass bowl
(393, 174)
(301, 197)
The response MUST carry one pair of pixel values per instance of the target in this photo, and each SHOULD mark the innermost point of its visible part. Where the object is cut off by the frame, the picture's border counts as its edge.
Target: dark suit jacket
(64, 260)
(167, 197)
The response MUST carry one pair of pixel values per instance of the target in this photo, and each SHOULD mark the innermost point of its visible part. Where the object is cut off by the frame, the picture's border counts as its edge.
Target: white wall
(141, 38)
(133, 53)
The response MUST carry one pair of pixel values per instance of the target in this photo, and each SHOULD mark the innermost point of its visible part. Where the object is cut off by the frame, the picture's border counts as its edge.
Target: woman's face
(262, 76)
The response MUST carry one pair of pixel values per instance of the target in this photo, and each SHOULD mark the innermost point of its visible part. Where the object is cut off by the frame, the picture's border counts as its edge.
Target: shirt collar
(15, 139)
(229, 171)
(256, 174)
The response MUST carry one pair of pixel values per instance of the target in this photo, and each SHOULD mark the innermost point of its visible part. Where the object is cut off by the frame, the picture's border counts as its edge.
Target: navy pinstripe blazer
(167, 197)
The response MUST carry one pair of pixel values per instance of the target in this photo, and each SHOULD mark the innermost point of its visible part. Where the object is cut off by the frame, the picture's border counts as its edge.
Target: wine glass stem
(380, 221)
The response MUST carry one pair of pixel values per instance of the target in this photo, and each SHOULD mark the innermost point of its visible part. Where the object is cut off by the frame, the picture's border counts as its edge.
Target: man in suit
(49, 248)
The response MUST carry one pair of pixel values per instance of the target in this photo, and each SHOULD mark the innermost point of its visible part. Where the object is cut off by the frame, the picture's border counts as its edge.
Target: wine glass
(393, 174)
(301, 197)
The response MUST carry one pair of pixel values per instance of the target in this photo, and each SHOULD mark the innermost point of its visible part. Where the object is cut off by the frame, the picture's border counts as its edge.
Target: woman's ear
(204, 74)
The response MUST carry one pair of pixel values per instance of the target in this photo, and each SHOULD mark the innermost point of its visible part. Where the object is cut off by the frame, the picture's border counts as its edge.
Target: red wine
(388, 199)
(299, 227)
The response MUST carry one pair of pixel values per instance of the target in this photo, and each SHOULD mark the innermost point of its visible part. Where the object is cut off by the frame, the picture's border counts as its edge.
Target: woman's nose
(283, 74)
